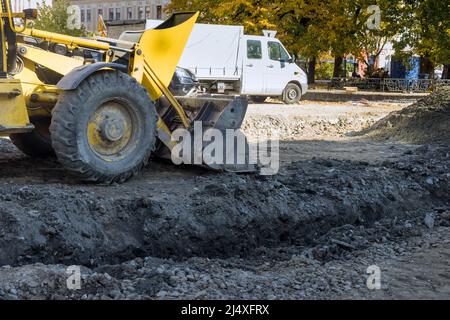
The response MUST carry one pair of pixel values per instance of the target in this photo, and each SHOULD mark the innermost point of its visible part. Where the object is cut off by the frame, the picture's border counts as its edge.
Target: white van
(224, 60)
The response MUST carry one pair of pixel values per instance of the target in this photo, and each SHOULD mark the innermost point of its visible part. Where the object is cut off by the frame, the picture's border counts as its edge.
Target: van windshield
(277, 52)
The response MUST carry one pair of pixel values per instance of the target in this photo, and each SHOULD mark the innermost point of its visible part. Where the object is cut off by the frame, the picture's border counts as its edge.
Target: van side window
(277, 52)
(254, 49)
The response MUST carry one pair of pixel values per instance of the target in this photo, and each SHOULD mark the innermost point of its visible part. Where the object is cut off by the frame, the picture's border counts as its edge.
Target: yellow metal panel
(68, 40)
(28, 77)
(53, 61)
(162, 50)
(13, 111)
(150, 77)
(165, 135)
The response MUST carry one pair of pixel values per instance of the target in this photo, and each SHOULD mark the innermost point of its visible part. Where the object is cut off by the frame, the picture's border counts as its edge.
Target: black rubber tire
(290, 99)
(259, 99)
(70, 121)
(36, 144)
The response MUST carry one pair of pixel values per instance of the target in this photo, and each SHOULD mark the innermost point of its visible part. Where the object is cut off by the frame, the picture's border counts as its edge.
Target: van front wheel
(292, 94)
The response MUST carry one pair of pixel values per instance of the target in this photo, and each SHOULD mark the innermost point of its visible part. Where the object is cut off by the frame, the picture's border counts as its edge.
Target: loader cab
(267, 66)
(126, 39)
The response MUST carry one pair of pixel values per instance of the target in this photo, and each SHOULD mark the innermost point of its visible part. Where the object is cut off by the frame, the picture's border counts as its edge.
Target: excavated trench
(324, 190)
(196, 213)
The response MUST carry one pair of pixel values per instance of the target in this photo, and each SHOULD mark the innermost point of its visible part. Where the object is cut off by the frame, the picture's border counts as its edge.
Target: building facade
(19, 5)
(119, 12)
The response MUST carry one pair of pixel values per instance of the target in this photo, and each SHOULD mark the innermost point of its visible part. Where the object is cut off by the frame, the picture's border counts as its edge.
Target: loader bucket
(163, 46)
(161, 49)
(225, 114)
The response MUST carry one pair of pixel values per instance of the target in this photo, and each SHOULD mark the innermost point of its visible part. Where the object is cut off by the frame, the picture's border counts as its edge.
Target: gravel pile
(292, 128)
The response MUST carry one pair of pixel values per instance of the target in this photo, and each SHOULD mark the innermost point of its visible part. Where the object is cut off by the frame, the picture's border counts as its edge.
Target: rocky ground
(339, 204)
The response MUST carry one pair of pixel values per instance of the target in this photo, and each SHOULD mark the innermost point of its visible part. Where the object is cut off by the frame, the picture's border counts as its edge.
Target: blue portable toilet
(400, 71)
(413, 70)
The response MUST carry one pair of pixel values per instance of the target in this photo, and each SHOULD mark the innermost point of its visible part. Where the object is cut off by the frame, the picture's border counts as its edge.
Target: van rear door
(253, 65)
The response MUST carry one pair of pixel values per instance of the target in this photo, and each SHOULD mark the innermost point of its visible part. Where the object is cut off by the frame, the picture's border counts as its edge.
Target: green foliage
(307, 27)
(253, 15)
(54, 19)
(313, 27)
(324, 70)
(424, 29)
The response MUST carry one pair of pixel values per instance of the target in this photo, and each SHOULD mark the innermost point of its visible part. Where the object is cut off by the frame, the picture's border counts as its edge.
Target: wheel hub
(111, 130)
(292, 94)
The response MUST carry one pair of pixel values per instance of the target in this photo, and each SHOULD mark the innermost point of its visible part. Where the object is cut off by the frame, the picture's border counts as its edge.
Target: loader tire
(292, 94)
(105, 130)
(36, 144)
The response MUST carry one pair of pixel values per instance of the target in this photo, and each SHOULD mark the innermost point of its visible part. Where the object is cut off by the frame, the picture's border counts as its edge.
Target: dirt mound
(427, 121)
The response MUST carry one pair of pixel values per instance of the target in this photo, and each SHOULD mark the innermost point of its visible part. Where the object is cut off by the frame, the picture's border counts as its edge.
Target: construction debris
(309, 232)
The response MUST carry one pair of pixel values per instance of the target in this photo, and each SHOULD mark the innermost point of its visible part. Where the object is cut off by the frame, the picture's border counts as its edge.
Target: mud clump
(427, 121)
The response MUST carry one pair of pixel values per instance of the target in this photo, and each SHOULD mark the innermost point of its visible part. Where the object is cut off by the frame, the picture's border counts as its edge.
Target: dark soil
(334, 209)
(320, 209)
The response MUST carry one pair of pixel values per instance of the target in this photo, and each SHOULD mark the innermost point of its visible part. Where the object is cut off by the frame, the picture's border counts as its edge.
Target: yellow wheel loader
(101, 117)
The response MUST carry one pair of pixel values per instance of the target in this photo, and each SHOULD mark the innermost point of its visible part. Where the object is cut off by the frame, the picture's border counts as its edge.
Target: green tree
(425, 31)
(299, 26)
(289, 18)
(254, 15)
(314, 27)
(369, 43)
(54, 18)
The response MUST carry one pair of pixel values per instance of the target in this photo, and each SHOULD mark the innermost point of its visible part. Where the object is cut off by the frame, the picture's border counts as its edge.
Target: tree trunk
(311, 70)
(337, 72)
(427, 67)
(446, 72)
(369, 72)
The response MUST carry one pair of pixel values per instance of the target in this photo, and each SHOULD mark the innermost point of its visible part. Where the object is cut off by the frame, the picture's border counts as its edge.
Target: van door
(277, 69)
(253, 66)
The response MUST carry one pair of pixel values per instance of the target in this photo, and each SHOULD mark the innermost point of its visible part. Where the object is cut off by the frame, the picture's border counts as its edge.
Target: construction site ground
(344, 200)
